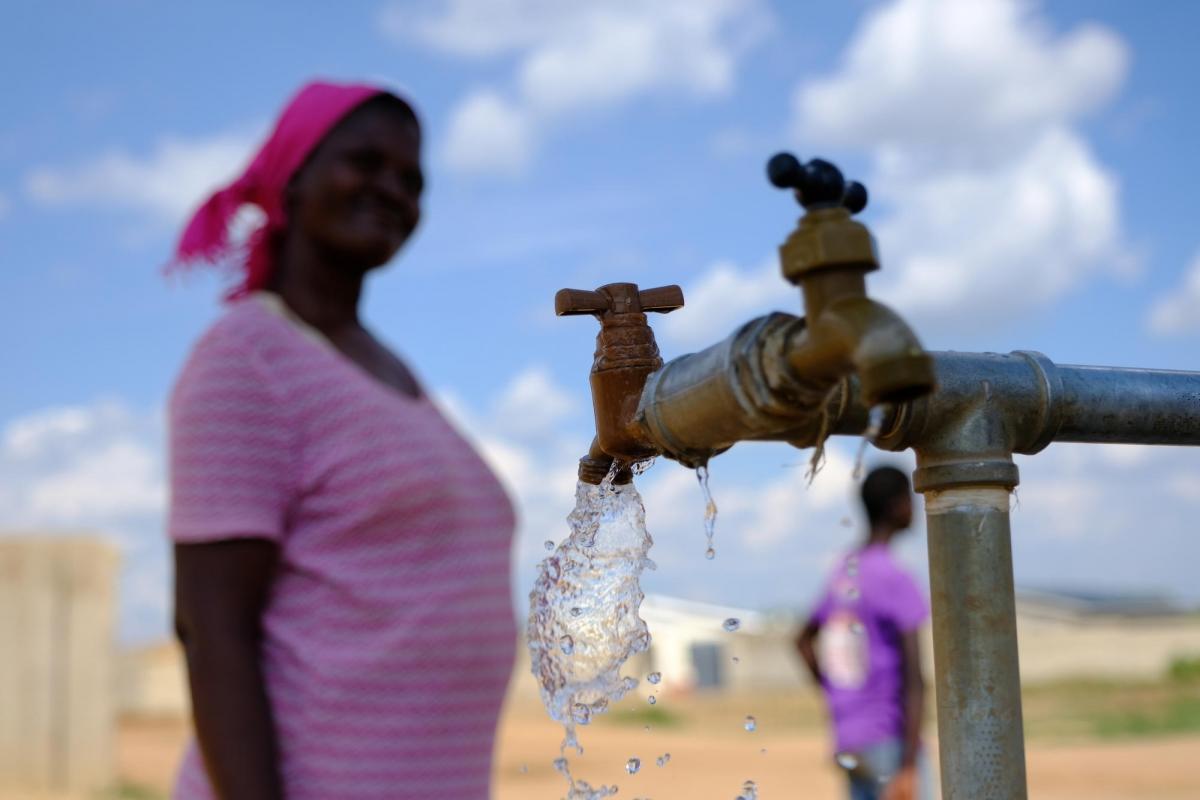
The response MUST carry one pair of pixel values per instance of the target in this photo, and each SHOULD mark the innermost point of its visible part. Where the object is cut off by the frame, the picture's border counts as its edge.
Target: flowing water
(583, 613)
(874, 428)
(710, 511)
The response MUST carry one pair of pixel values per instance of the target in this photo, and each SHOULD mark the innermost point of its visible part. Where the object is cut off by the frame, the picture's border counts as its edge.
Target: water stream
(583, 613)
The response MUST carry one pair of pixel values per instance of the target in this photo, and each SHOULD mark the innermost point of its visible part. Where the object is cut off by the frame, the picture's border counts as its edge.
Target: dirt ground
(712, 754)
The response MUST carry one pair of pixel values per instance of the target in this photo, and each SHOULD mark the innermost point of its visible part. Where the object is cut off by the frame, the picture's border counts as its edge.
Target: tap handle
(569, 302)
(618, 298)
(818, 184)
(663, 299)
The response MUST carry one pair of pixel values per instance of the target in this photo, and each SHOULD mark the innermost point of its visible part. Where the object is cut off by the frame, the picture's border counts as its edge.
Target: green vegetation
(649, 715)
(1180, 716)
(1185, 669)
(1084, 709)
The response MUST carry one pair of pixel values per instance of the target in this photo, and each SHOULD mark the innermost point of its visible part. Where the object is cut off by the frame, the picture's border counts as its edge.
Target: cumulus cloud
(722, 297)
(1178, 312)
(161, 185)
(82, 466)
(96, 468)
(489, 134)
(996, 205)
(573, 58)
(955, 79)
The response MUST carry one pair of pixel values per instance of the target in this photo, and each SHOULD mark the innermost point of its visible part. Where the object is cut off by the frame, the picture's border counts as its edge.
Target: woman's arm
(221, 589)
(805, 644)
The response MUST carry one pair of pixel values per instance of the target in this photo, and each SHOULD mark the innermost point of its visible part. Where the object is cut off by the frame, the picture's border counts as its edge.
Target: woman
(341, 553)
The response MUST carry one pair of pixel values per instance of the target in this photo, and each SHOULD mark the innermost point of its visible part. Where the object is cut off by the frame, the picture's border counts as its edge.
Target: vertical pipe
(980, 732)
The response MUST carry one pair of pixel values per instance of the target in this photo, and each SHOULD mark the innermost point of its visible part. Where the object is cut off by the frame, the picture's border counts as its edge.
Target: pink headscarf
(305, 121)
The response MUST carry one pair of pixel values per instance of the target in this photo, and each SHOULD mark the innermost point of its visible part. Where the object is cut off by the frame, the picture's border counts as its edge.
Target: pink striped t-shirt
(388, 636)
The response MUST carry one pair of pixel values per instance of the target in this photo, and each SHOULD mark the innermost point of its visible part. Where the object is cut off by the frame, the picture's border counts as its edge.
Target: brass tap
(626, 354)
(828, 257)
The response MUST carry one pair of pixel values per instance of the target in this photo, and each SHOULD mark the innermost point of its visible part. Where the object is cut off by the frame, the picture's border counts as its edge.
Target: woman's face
(358, 198)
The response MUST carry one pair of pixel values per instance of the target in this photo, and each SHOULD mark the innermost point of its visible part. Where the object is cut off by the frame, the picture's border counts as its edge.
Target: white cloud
(724, 296)
(998, 206)
(488, 134)
(96, 468)
(1178, 312)
(959, 79)
(82, 466)
(574, 58)
(162, 185)
(986, 243)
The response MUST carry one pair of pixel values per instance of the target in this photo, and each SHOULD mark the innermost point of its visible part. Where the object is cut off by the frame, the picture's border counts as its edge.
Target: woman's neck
(318, 292)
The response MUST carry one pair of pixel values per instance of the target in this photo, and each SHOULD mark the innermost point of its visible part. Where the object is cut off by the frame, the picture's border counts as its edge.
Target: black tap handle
(818, 184)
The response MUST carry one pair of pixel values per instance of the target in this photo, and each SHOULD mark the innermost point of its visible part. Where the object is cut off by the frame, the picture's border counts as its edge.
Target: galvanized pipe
(1144, 406)
(980, 732)
(741, 388)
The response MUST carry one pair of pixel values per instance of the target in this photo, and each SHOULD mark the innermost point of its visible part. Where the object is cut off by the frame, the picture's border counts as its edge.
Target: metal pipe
(980, 729)
(1143, 406)
(701, 404)
(1021, 402)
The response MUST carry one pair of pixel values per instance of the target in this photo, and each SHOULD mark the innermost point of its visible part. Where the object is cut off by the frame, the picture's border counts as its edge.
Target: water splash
(633, 765)
(874, 428)
(581, 789)
(751, 724)
(749, 791)
(663, 760)
(654, 677)
(710, 511)
(847, 761)
(583, 612)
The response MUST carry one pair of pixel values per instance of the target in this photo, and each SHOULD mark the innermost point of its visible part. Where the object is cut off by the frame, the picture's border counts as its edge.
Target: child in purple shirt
(862, 649)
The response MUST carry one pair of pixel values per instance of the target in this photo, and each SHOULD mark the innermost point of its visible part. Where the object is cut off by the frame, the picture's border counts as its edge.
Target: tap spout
(857, 334)
(595, 466)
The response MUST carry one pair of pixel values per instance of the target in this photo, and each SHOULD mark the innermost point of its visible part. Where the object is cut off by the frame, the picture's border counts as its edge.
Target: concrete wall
(57, 598)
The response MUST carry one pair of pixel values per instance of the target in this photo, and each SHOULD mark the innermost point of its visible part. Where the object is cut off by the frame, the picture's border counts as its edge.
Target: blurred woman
(341, 553)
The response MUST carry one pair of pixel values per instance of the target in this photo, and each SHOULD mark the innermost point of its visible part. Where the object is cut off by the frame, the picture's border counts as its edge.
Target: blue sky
(1032, 171)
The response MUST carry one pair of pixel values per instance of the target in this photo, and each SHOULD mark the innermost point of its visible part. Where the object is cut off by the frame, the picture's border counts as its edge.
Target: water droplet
(581, 713)
(566, 644)
(736, 660)
(663, 760)
(629, 683)
(651, 699)
(524, 769)
(654, 677)
(751, 724)
(710, 553)
(847, 760)
(549, 545)
(762, 752)
(576, 611)
(560, 764)
(633, 765)
(646, 727)
(731, 624)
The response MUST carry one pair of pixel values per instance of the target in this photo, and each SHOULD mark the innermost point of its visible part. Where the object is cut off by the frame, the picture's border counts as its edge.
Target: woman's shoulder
(245, 338)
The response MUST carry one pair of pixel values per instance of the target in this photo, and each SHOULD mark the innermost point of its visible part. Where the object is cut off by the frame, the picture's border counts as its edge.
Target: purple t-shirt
(869, 603)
